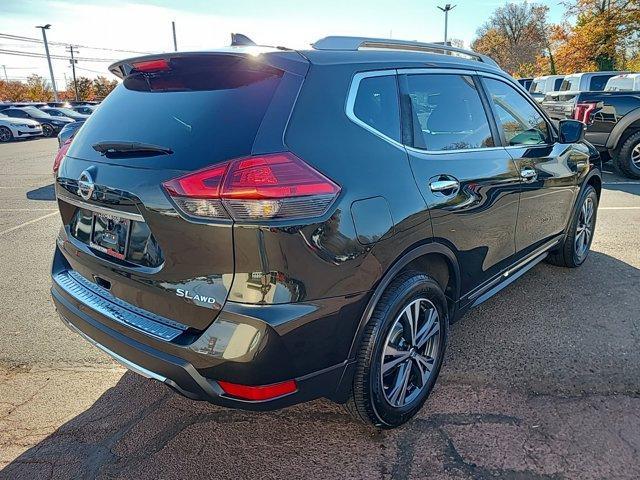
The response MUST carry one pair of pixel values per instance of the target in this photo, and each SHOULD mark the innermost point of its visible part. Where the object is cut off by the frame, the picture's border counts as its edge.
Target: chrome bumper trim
(100, 209)
(134, 367)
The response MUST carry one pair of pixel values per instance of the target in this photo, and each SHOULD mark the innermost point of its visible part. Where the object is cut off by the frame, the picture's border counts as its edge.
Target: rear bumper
(193, 373)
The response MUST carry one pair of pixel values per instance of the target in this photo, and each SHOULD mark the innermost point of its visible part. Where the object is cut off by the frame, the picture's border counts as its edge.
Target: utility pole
(175, 42)
(446, 9)
(5, 73)
(46, 49)
(73, 62)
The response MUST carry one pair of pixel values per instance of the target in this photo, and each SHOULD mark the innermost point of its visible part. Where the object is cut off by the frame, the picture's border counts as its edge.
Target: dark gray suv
(258, 226)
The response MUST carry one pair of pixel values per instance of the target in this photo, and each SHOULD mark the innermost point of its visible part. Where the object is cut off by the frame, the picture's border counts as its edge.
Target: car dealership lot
(542, 381)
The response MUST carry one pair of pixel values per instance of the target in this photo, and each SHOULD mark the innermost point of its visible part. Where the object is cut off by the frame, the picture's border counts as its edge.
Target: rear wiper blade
(114, 148)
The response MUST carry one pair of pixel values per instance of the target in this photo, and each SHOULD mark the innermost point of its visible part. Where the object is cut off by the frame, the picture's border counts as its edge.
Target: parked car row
(25, 120)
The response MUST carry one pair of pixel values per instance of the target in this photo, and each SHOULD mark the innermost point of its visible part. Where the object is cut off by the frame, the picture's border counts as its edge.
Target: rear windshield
(204, 109)
(619, 84)
(537, 86)
(570, 83)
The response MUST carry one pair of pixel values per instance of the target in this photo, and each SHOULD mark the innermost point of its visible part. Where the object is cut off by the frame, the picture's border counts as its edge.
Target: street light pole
(175, 42)
(5, 73)
(446, 9)
(46, 49)
(73, 70)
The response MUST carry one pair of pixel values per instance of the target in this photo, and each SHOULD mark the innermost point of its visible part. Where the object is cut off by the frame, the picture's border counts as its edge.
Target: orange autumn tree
(604, 36)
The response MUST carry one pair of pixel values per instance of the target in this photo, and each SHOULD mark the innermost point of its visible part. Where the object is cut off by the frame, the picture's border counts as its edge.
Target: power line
(63, 44)
(57, 57)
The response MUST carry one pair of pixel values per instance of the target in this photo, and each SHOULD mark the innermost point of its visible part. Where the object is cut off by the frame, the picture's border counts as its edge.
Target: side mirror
(571, 131)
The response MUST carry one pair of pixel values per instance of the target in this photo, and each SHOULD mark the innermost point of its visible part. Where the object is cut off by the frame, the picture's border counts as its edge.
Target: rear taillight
(583, 112)
(60, 155)
(274, 186)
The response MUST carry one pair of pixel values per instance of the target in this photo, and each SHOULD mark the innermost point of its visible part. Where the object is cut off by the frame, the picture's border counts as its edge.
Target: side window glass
(519, 120)
(598, 82)
(17, 114)
(377, 105)
(446, 113)
(556, 85)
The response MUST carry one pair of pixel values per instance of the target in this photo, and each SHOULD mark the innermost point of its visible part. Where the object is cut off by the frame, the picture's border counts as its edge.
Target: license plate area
(110, 234)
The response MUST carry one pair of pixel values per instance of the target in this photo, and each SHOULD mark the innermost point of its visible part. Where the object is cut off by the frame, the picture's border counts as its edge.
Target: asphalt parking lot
(542, 381)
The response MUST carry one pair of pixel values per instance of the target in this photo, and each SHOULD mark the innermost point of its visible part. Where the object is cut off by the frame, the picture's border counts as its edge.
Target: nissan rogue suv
(259, 227)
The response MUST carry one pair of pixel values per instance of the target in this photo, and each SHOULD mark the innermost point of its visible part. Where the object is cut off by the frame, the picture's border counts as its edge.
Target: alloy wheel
(5, 134)
(635, 155)
(410, 353)
(47, 130)
(584, 229)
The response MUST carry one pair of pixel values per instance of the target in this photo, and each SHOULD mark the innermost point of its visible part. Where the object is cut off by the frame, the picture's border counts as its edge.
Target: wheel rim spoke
(400, 384)
(425, 366)
(399, 357)
(430, 328)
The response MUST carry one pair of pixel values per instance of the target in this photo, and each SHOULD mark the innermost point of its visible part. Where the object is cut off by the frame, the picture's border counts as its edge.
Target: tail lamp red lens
(149, 66)
(261, 392)
(62, 151)
(278, 185)
(583, 112)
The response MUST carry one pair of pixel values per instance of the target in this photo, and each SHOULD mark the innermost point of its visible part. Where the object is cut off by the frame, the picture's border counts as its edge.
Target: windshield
(570, 83)
(66, 111)
(34, 112)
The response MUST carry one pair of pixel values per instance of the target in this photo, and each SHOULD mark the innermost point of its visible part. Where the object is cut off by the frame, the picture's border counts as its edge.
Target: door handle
(444, 185)
(528, 174)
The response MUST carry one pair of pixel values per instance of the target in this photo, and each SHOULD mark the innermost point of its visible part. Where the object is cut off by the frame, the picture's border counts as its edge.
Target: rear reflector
(274, 186)
(60, 155)
(261, 392)
(152, 65)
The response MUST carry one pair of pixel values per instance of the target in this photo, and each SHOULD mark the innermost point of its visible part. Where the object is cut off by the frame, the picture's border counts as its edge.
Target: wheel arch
(625, 127)
(434, 259)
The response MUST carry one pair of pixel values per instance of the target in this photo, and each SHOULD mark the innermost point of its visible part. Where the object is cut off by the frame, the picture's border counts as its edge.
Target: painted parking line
(618, 208)
(30, 222)
(27, 209)
(621, 183)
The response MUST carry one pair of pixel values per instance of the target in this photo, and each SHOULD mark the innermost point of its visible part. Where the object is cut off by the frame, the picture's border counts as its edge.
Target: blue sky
(145, 25)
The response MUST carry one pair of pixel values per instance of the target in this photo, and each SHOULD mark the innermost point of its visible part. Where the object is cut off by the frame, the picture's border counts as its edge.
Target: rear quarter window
(377, 105)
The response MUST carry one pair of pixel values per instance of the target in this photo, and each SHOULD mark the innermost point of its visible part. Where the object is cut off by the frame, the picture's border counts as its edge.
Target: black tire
(568, 254)
(5, 134)
(627, 159)
(369, 401)
(47, 130)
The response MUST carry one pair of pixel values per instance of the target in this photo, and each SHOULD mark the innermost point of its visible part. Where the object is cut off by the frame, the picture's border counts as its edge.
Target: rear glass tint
(205, 109)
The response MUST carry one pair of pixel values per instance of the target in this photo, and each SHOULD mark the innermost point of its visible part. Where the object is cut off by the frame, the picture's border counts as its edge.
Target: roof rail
(356, 43)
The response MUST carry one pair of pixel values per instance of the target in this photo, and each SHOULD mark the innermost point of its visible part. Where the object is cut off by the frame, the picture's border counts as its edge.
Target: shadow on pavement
(43, 193)
(482, 420)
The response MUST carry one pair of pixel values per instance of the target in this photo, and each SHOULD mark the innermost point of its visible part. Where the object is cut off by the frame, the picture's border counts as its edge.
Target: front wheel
(577, 243)
(5, 134)
(47, 130)
(401, 353)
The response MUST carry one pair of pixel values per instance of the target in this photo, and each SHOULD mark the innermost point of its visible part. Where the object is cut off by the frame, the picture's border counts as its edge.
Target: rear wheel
(401, 353)
(575, 248)
(47, 130)
(5, 134)
(627, 159)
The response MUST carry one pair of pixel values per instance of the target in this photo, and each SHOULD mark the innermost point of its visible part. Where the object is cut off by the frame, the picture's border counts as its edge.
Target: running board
(515, 272)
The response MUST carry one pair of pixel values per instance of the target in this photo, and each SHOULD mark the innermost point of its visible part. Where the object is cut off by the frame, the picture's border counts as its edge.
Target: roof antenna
(238, 39)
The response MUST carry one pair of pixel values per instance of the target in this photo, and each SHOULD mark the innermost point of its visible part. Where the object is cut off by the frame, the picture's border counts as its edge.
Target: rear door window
(446, 113)
(376, 104)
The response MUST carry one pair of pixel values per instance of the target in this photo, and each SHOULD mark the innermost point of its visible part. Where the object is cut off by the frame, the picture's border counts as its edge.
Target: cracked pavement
(540, 382)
